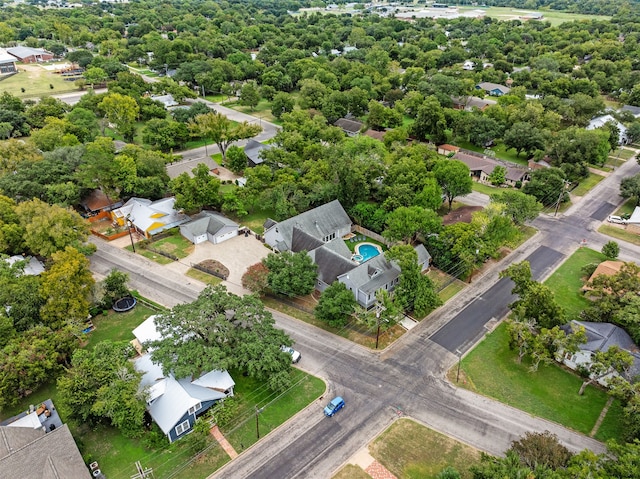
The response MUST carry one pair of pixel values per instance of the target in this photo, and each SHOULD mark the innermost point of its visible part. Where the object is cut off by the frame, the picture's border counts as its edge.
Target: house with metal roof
(175, 404)
(601, 337)
(30, 55)
(209, 226)
(7, 63)
(601, 121)
(253, 150)
(149, 217)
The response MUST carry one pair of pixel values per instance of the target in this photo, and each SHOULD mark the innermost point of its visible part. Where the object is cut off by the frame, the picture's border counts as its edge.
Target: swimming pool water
(367, 251)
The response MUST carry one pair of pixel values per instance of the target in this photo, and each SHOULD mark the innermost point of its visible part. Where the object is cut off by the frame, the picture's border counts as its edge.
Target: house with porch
(482, 166)
(149, 217)
(320, 233)
(175, 404)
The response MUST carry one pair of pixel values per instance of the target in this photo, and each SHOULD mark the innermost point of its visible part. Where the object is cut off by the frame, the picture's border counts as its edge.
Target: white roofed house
(601, 121)
(175, 404)
(149, 217)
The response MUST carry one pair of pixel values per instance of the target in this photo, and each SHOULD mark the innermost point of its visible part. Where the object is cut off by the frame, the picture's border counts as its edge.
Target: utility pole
(459, 353)
(258, 411)
(564, 187)
(129, 224)
(146, 473)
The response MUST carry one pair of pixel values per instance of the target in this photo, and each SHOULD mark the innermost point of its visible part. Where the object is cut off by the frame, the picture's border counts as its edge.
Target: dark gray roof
(269, 223)
(352, 126)
(253, 149)
(330, 264)
(488, 86)
(301, 241)
(601, 336)
(53, 455)
(318, 222)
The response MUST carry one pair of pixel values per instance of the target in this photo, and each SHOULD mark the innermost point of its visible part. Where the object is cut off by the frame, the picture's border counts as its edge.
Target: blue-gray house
(175, 404)
(493, 89)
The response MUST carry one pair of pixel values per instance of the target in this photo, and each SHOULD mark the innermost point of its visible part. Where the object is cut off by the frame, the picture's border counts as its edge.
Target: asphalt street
(407, 378)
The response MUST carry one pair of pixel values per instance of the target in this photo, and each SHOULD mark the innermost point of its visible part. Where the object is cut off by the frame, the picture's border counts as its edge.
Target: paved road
(408, 377)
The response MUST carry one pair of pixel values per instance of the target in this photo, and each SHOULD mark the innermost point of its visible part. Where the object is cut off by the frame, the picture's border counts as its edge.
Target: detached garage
(209, 226)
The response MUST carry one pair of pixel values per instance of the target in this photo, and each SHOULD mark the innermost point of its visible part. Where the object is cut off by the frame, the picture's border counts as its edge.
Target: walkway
(371, 466)
(228, 448)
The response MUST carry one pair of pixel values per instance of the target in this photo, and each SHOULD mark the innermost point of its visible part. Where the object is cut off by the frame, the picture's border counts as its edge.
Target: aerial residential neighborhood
(300, 238)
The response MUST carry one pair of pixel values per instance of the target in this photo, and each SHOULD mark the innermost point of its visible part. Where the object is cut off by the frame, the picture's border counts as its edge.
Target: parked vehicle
(295, 355)
(334, 406)
(616, 219)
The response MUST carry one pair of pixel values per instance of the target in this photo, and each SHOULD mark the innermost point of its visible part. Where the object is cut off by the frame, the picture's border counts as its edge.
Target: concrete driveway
(237, 254)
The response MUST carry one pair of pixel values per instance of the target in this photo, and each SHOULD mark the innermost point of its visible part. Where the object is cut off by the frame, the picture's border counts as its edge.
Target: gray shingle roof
(53, 455)
(330, 264)
(318, 222)
(352, 126)
(301, 241)
(370, 276)
(488, 86)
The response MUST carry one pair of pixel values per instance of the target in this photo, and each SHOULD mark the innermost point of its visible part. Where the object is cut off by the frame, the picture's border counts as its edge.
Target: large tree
(519, 206)
(454, 178)
(404, 223)
(221, 130)
(66, 289)
(220, 330)
(102, 385)
(336, 305)
(121, 111)
(415, 291)
(630, 188)
(196, 192)
(50, 228)
(291, 274)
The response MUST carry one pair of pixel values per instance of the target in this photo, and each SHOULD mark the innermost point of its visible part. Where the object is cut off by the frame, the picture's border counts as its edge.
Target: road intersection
(409, 376)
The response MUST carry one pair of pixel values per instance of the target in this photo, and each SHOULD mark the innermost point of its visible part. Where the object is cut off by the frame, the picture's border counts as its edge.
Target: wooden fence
(372, 235)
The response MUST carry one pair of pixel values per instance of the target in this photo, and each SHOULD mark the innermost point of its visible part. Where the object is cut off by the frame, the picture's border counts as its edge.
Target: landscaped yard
(175, 244)
(255, 220)
(485, 189)
(566, 282)
(118, 326)
(410, 450)
(500, 150)
(551, 392)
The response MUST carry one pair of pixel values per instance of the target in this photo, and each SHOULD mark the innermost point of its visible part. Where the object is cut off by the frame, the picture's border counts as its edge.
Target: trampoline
(125, 304)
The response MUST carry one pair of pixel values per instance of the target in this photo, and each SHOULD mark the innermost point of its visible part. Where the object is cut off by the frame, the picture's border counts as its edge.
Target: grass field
(551, 16)
(117, 326)
(35, 80)
(175, 244)
(567, 281)
(262, 111)
(485, 189)
(627, 207)
(255, 220)
(446, 285)
(203, 277)
(412, 451)
(551, 392)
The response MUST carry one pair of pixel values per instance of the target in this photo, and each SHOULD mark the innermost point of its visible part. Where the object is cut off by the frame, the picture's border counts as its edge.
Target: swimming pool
(367, 251)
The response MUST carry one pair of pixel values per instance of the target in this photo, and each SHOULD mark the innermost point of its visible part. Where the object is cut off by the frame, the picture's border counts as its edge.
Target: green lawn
(567, 281)
(485, 189)
(351, 471)
(627, 207)
(587, 183)
(276, 409)
(36, 83)
(622, 153)
(446, 285)
(620, 233)
(203, 277)
(175, 244)
(410, 450)
(551, 392)
(554, 17)
(117, 326)
(255, 220)
(262, 111)
(500, 150)
(158, 258)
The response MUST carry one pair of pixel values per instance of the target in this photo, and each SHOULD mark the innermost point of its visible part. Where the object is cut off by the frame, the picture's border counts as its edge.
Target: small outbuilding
(209, 226)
